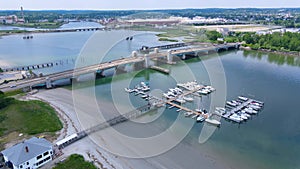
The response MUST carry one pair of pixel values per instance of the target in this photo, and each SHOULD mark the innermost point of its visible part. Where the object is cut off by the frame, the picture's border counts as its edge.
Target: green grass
(30, 117)
(75, 161)
(13, 92)
(167, 39)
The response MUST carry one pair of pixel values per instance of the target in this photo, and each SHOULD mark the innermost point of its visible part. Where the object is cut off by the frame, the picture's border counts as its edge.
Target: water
(267, 141)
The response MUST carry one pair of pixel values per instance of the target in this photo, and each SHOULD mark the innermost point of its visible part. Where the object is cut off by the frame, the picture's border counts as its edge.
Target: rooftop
(22, 152)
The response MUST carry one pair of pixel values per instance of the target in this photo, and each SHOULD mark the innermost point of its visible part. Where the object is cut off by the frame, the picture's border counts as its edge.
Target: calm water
(269, 140)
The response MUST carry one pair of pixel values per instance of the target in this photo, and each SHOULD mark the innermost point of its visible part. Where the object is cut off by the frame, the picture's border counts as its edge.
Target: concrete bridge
(98, 68)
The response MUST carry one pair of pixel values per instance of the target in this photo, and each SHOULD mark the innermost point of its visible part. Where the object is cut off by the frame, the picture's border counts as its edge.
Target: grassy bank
(29, 117)
(75, 161)
(167, 40)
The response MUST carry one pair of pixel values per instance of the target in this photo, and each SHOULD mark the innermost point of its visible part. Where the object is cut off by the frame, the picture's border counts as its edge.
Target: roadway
(102, 66)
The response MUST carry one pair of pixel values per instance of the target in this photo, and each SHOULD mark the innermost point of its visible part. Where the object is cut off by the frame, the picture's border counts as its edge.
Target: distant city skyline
(141, 4)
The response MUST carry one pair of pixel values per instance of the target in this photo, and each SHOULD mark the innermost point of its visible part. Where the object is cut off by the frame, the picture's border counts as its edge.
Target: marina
(177, 97)
(238, 110)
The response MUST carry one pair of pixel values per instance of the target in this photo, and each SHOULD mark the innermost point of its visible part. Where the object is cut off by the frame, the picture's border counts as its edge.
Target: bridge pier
(48, 83)
(99, 74)
(134, 54)
(170, 57)
(74, 79)
(147, 61)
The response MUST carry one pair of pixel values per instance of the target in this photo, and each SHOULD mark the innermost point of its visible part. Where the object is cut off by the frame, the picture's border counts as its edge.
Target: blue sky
(143, 4)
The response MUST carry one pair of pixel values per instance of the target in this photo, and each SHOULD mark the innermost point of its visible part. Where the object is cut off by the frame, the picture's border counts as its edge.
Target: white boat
(144, 96)
(243, 116)
(128, 90)
(236, 118)
(244, 112)
(165, 95)
(231, 104)
(171, 94)
(200, 118)
(203, 91)
(243, 98)
(189, 99)
(180, 84)
(178, 110)
(213, 121)
(145, 88)
(187, 114)
(179, 90)
(254, 107)
(198, 110)
(180, 100)
(171, 107)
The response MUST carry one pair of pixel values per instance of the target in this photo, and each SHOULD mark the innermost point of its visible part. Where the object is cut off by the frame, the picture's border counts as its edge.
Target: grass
(75, 161)
(29, 117)
(13, 92)
(167, 39)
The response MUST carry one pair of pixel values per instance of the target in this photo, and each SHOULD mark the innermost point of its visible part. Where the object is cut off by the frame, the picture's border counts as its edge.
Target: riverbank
(296, 54)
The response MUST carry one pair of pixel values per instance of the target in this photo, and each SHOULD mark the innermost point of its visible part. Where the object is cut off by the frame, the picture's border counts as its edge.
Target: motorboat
(243, 98)
(146, 88)
(187, 114)
(198, 110)
(203, 91)
(144, 96)
(128, 90)
(180, 100)
(200, 118)
(213, 121)
(231, 104)
(236, 118)
(189, 99)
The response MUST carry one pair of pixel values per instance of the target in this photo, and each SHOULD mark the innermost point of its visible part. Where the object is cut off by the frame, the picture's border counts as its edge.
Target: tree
(213, 35)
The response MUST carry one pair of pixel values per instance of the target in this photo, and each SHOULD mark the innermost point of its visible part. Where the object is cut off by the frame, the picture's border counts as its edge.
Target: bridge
(135, 58)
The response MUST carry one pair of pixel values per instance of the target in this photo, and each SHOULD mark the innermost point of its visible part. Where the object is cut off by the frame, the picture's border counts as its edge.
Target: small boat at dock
(187, 114)
(200, 119)
(189, 99)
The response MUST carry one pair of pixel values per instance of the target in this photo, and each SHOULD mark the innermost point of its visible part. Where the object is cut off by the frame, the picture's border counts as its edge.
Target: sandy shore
(182, 156)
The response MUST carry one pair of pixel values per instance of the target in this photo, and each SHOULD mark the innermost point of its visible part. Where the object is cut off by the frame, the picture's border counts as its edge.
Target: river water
(269, 140)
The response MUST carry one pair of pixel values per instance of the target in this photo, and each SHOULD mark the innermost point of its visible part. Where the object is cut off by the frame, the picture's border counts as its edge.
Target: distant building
(30, 154)
(223, 31)
(12, 76)
(8, 19)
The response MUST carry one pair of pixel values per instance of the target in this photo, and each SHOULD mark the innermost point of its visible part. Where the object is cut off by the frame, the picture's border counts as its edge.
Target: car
(13, 86)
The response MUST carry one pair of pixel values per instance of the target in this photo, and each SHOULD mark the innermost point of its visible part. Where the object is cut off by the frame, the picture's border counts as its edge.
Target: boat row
(206, 90)
(240, 110)
(193, 85)
(176, 94)
(140, 89)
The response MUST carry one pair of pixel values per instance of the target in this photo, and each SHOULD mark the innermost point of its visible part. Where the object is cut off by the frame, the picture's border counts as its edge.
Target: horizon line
(149, 9)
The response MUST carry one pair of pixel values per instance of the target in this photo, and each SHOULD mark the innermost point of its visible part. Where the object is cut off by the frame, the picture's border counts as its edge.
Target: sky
(142, 4)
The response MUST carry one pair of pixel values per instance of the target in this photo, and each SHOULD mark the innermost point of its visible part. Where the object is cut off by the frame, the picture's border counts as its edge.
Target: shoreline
(294, 54)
